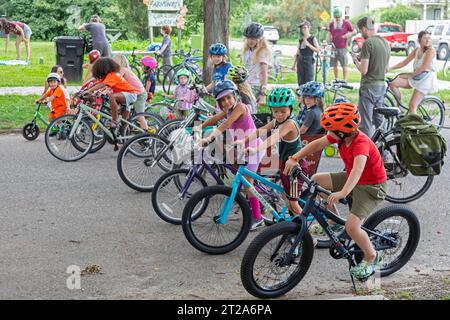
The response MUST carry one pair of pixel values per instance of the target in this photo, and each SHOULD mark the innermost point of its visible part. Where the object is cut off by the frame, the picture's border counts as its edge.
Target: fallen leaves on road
(92, 269)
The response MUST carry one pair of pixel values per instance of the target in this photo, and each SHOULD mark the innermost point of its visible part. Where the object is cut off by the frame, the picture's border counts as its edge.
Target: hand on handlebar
(334, 198)
(290, 166)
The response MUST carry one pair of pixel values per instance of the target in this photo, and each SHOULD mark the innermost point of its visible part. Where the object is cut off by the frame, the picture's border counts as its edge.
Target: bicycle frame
(240, 180)
(86, 110)
(322, 214)
(38, 115)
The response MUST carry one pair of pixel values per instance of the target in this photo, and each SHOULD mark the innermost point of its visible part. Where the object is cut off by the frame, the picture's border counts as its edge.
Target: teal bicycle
(217, 219)
(31, 130)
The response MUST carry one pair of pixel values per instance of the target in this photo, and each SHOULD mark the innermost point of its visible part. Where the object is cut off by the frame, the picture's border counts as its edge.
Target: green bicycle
(31, 130)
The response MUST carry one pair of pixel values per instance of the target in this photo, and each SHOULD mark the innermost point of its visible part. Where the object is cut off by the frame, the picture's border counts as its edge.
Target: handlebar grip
(347, 87)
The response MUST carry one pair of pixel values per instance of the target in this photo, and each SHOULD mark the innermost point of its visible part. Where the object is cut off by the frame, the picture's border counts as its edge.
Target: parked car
(392, 32)
(271, 34)
(440, 40)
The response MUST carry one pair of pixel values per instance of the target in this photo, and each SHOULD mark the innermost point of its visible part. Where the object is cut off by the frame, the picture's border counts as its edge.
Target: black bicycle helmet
(254, 30)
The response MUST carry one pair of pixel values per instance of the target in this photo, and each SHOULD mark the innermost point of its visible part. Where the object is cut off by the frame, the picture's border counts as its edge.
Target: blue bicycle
(217, 219)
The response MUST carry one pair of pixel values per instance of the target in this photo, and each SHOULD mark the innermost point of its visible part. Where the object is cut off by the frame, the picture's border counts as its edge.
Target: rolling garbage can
(69, 55)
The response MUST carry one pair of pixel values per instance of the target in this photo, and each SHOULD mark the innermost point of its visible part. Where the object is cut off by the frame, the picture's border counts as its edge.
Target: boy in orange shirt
(107, 71)
(56, 96)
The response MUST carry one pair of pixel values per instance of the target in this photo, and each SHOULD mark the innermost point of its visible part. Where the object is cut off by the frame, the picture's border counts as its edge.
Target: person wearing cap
(304, 59)
(55, 95)
(373, 64)
(98, 32)
(94, 55)
(339, 31)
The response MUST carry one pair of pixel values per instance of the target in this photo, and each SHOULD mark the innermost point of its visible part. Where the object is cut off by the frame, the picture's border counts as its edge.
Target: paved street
(57, 214)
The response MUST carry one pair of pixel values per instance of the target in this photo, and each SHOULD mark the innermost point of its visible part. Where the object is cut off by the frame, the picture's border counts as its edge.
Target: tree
(399, 14)
(217, 20)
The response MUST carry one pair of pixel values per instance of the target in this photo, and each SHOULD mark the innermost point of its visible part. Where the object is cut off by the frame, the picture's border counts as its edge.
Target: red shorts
(292, 195)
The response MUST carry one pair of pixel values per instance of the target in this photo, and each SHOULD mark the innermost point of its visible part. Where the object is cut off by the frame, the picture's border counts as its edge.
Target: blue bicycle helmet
(218, 49)
(341, 100)
(312, 89)
(223, 88)
(154, 47)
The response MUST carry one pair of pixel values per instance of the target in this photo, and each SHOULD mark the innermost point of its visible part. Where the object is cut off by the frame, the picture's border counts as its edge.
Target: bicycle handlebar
(297, 172)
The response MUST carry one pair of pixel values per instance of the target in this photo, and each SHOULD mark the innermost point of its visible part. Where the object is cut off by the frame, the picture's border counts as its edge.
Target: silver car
(271, 34)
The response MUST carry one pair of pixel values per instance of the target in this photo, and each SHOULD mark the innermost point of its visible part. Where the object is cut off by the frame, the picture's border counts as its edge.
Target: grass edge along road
(17, 110)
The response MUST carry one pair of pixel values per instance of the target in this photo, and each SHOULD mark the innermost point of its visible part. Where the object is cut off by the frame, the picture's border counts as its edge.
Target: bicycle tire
(146, 175)
(161, 73)
(170, 126)
(169, 77)
(153, 122)
(393, 169)
(287, 231)
(160, 207)
(387, 213)
(190, 216)
(438, 108)
(30, 131)
(136, 71)
(59, 140)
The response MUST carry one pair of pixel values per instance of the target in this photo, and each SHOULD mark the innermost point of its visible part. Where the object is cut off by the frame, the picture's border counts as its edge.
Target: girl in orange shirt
(107, 71)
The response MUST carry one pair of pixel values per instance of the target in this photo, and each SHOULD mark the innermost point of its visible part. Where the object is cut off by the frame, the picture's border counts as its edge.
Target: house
(429, 9)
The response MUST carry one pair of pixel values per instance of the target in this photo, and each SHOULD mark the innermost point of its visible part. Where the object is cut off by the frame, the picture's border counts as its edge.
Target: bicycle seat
(388, 112)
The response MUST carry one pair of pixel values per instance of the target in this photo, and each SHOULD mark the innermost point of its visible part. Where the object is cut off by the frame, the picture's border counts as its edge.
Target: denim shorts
(27, 31)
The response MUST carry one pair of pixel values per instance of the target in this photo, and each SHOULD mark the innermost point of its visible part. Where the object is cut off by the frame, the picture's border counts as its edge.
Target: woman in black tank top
(304, 60)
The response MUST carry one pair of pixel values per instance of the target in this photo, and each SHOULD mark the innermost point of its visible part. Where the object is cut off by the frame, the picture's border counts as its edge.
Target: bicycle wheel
(169, 127)
(167, 199)
(170, 79)
(264, 274)
(161, 108)
(30, 131)
(99, 135)
(66, 148)
(161, 73)
(200, 226)
(432, 110)
(136, 70)
(402, 186)
(136, 161)
(400, 224)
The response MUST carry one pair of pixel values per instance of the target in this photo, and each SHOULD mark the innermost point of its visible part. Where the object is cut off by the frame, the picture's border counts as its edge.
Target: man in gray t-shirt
(98, 32)
(373, 65)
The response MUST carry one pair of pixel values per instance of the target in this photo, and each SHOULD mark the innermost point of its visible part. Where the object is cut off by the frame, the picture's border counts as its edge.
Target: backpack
(422, 148)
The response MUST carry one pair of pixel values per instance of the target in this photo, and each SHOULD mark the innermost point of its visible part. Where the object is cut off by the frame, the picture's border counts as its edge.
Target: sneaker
(364, 270)
(256, 224)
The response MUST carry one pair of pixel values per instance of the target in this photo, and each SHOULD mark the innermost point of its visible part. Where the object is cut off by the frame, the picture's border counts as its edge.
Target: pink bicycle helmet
(149, 62)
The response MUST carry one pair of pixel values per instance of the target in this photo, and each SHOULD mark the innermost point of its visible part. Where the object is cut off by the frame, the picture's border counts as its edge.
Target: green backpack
(422, 148)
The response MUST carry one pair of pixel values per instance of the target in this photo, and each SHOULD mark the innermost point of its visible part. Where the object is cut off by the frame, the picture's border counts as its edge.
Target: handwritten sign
(160, 19)
(165, 5)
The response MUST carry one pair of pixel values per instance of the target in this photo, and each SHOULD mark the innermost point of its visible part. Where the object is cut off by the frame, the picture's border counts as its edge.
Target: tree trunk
(217, 18)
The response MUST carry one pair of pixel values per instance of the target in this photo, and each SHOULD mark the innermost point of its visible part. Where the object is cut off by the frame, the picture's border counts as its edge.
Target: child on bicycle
(239, 76)
(286, 133)
(149, 65)
(312, 94)
(120, 92)
(184, 95)
(364, 176)
(60, 71)
(55, 96)
(239, 123)
(219, 60)
(135, 82)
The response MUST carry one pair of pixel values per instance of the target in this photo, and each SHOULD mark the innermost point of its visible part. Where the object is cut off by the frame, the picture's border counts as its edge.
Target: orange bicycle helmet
(343, 117)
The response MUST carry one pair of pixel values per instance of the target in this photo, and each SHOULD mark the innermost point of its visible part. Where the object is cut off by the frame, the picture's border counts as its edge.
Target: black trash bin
(69, 55)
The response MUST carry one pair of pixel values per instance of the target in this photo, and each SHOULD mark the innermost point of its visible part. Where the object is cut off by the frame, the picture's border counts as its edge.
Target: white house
(430, 9)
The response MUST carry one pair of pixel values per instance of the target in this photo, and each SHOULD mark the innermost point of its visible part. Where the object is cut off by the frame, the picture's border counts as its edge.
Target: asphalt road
(55, 215)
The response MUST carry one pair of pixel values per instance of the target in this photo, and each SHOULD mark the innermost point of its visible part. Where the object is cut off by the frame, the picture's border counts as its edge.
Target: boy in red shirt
(56, 96)
(364, 176)
(107, 71)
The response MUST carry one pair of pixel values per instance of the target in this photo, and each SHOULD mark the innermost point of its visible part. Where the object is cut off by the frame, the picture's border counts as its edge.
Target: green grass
(16, 111)
(404, 295)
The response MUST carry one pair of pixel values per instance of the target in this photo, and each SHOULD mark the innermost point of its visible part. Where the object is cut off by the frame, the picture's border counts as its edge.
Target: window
(387, 29)
(429, 29)
(448, 30)
(438, 30)
(437, 14)
(347, 12)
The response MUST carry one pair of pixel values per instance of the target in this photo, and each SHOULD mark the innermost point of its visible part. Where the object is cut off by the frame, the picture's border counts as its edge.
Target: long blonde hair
(245, 88)
(122, 61)
(262, 46)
